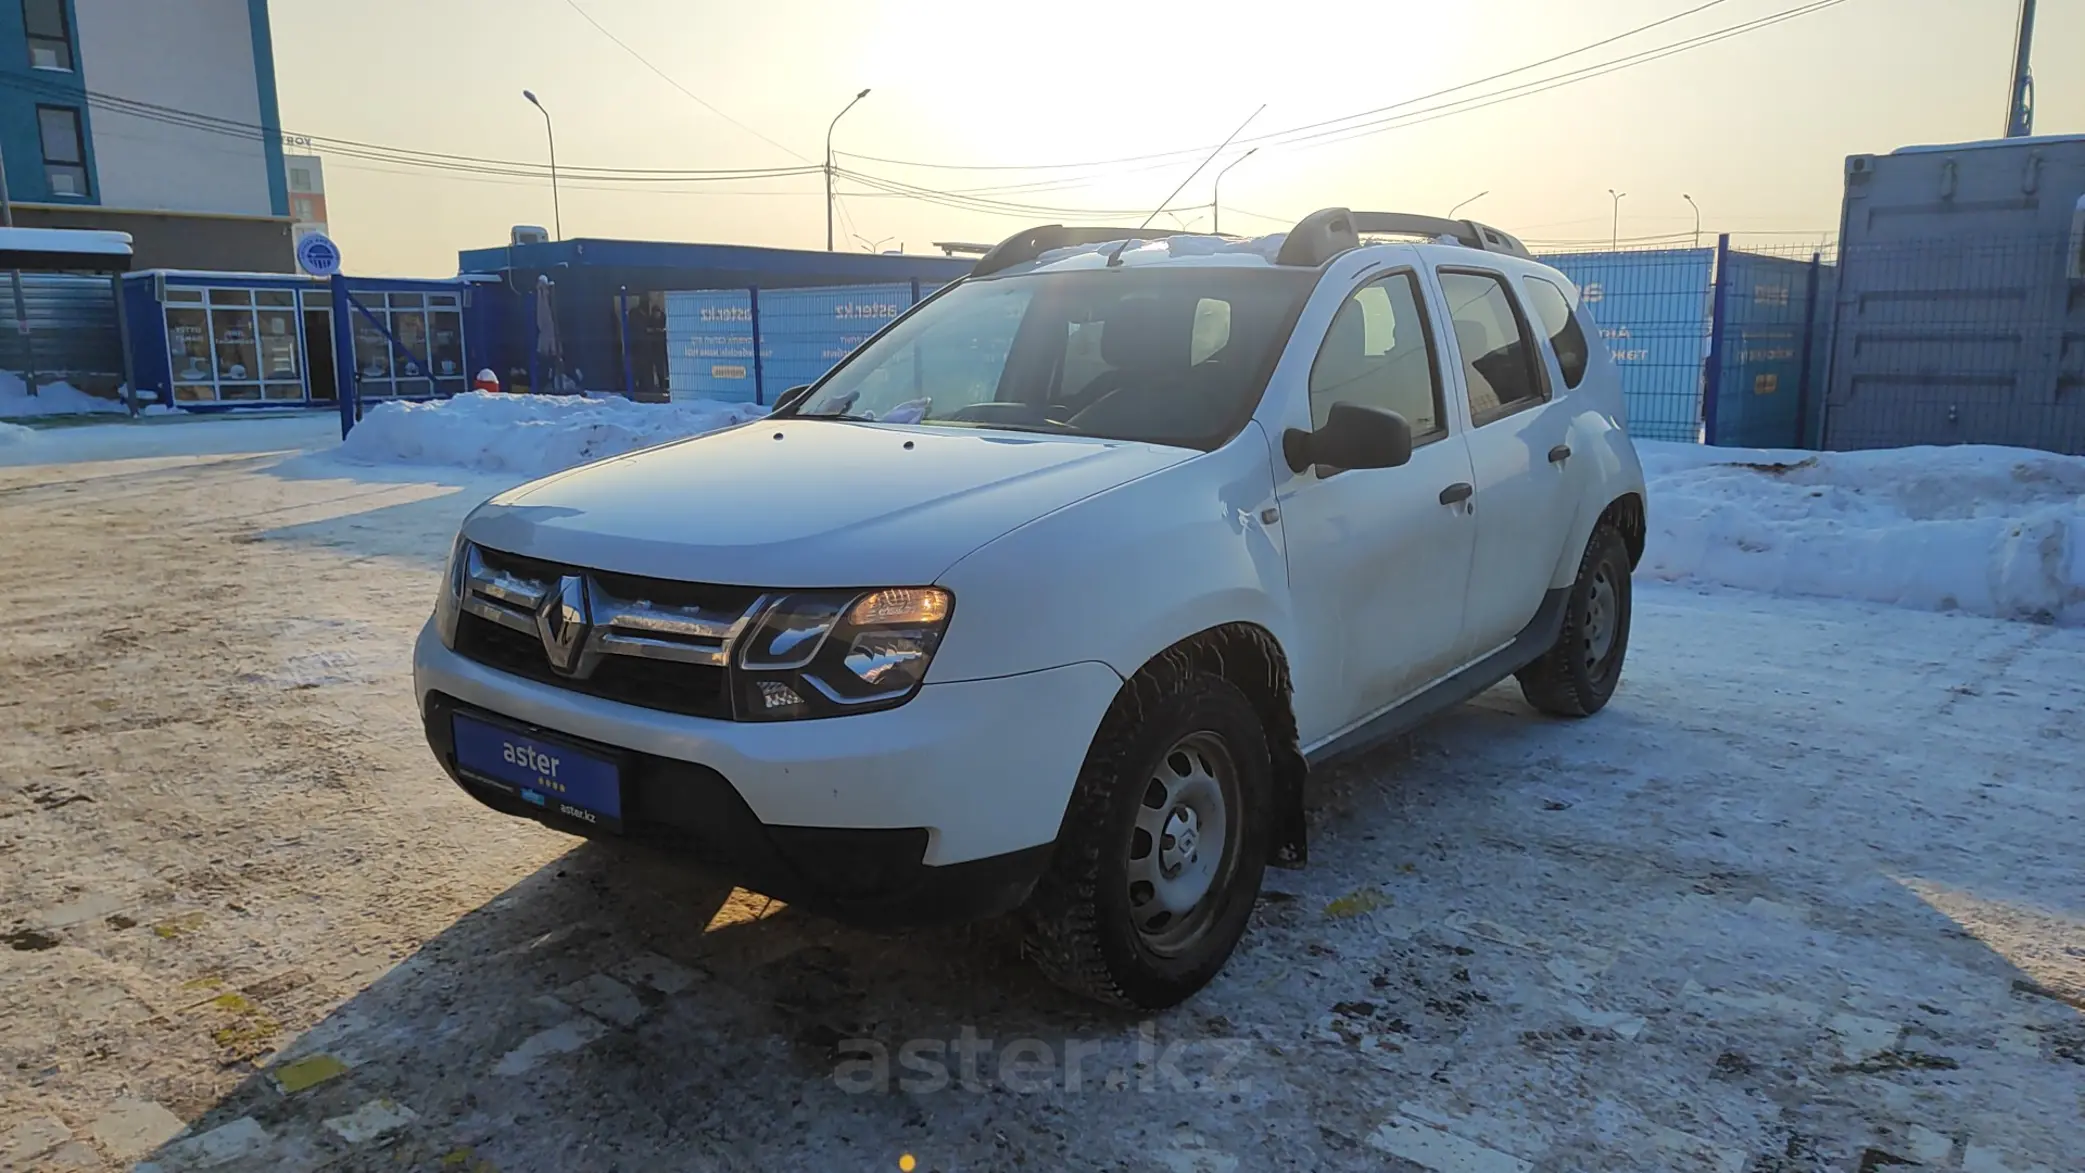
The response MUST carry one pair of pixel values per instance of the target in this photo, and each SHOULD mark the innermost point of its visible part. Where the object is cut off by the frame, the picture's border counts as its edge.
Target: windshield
(1164, 356)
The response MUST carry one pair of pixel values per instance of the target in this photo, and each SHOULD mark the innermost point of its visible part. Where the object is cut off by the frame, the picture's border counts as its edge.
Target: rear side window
(1566, 336)
(1376, 354)
(1498, 357)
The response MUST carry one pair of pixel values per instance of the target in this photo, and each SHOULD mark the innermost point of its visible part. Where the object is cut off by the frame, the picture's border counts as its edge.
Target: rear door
(1518, 452)
(1379, 559)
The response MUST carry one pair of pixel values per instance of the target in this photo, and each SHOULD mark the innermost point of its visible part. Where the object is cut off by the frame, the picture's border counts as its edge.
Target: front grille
(656, 644)
(697, 690)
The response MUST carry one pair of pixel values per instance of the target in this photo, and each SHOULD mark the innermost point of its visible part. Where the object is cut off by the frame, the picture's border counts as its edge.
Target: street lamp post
(1697, 218)
(1466, 203)
(1614, 243)
(556, 212)
(1216, 193)
(829, 167)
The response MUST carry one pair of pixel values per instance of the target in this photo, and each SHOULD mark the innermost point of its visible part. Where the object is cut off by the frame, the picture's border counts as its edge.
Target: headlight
(450, 599)
(830, 653)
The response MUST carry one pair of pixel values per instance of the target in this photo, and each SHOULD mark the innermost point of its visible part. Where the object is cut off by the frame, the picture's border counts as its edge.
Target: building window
(64, 151)
(300, 179)
(50, 41)
(303, 210)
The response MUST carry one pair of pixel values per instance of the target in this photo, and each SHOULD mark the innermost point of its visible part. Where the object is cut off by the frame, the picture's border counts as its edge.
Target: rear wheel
(1163, 846)
(1578, 674)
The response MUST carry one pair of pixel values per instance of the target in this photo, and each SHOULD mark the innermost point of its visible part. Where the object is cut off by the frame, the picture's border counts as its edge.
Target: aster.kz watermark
(1027, 1066)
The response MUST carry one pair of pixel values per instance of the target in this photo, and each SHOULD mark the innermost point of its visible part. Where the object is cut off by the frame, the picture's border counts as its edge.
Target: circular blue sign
(318, 255)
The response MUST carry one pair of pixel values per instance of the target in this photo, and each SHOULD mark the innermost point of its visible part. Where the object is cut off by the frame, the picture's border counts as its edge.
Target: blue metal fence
(1720, 346)
(750, 345)
(1766, 328)
(1654, 311)
(712, 338)
(806, 331)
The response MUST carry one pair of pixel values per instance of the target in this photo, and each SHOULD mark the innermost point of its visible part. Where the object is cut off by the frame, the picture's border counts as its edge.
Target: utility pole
(1614, 244)
(1697, 217)
(14, 277)
(829, 167)
(2019, 115)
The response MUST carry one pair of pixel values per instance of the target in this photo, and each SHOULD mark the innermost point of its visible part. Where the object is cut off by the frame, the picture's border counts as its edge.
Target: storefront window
(231, 344)
(279, 354)
(372, 350)
(188, 346)
(445, 344)
(410, 328)
(238, 353)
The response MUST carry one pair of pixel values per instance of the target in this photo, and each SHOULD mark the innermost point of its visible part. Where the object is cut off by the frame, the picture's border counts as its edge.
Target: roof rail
(1326, 233)
(1022, 247)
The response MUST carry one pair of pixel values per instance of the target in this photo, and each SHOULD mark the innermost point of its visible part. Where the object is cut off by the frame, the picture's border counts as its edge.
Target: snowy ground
(59, 398)
(1805, 897)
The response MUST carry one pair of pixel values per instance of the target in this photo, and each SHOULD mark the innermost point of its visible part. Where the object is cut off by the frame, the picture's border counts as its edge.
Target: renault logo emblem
(562, 619)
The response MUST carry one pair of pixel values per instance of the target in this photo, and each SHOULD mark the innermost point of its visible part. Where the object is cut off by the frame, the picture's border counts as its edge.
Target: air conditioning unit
(528, 234)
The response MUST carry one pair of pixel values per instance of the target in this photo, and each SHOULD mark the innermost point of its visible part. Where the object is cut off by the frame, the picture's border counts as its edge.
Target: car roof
(1312, 243)
(1228, 252)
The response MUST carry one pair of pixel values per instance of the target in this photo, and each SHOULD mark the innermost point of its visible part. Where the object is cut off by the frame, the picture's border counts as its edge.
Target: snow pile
(1989, 531)
(528, 435)
(16, 440)
(60, 398)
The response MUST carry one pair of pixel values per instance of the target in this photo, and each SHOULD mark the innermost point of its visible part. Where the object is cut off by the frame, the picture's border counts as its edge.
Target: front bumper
(944, 808)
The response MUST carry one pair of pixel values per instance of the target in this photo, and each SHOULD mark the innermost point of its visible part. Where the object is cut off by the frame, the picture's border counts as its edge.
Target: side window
(1498, 358)
(1377, 354)
(1566, 336)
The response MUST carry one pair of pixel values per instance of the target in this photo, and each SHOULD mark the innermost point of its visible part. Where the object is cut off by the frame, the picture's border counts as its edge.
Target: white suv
(1049, 596)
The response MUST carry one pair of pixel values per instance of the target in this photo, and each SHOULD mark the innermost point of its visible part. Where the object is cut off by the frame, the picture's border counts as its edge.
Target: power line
(231, 128)
(1529, 89)
(980, 204)
(1447, 109)
(1326, 128)
(697, 98)
(646, 189)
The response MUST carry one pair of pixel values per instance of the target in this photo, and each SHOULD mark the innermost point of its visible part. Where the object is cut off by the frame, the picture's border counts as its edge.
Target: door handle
(1458, 492)
(1560, 454)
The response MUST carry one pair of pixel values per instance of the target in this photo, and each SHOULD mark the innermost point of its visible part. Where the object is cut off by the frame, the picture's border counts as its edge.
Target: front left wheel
(1163, 846)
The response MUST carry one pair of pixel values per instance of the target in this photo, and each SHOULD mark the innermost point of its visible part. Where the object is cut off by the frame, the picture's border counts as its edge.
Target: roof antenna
(1116, 257)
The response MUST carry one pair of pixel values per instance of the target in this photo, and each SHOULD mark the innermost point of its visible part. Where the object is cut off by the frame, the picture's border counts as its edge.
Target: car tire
(1578, 674)
(1176, 793)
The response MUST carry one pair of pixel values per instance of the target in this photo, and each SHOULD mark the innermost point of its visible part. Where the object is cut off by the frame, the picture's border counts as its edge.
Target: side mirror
(788, 400)
(1354, 436)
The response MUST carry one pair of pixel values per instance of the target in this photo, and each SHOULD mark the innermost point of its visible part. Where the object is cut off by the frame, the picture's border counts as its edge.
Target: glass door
(409, 327)
(235, 344)
(445, 343)
(282, 374)
(188, 346)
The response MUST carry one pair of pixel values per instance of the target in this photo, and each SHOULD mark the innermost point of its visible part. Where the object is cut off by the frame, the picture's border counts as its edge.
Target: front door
(1379, 559)
(1522, 510)
(318, 354)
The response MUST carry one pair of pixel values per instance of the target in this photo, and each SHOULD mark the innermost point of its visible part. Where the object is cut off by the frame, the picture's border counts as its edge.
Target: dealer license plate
(541, 771)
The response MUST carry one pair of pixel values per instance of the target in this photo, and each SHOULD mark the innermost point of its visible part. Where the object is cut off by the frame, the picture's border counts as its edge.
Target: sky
(1755, 127)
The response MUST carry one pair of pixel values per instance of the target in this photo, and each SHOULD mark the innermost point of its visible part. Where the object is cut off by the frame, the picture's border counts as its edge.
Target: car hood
(806, 503)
